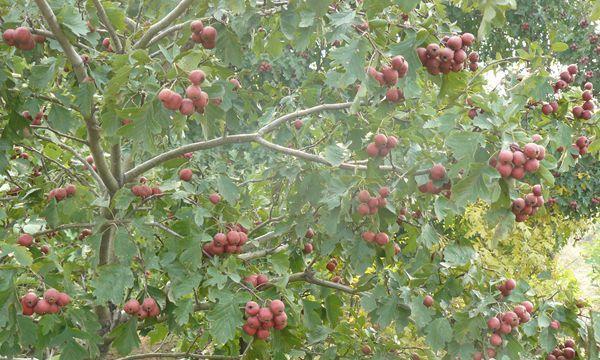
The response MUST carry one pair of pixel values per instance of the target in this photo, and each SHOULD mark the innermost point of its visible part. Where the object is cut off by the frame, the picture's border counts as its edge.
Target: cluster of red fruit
(106, 44)
(196, 99)
(436, 174)
(516, 162)
(369, 205)
(19, 153)
(523, 208)
(261, 319)
(51, 303)
(580, 146)
(565, 351)
(549, 108)
(331, 266)
(308, 247)
(566, 77)
(61, 193)
(380, 238)
(27, 240)
(381, 145)
(264, 67)
(389, 76)
(37, 120)
(230, 243)
(256, 280)
(586, 110)
(205, 35)
(145, 191)
(147, 309)
(449, 57)
(21, 38)
(504, 323)
(90, 160)
(507, 287)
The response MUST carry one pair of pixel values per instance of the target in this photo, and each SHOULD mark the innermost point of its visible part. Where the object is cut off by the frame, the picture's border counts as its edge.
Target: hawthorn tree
(281, 180)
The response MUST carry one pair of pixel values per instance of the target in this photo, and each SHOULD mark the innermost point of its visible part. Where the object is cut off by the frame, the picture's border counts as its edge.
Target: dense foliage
(339, 180)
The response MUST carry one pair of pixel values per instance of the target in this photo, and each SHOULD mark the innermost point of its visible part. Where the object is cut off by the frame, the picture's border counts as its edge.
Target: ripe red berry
(51, 295)
(25, 240)
(382, 238)
(277, 307)
(30, 299)
(132, 307)
(264, 314)
(263, 334)
(149, 304)
(308, 248)
(493, 323)
(467, 39)
(437, 172)
(42, 307)
(495, 340)
(428, 301)
(185, 174)
(251, 308)
(261, 279)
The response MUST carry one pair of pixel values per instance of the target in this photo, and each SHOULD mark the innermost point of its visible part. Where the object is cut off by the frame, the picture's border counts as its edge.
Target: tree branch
(155, 161)
(179, 356)
(161, 24)
(70, 52)
(59, 133)
(114, 38)
(323, 107)
(78, 157)
(168, 32)
(63, 227)
(115, 162)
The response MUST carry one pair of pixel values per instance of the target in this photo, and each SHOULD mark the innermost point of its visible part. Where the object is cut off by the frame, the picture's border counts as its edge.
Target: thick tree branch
(262, 253)
(70, 52)
(115, 162)
(282, 119)
(159, 159)
(92, 126)
(161, 24)
(114, 38)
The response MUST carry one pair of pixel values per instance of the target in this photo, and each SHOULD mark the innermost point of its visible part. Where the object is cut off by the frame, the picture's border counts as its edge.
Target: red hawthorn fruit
(528, 306)
(366, 350)
(9, 37)
(251, 280)
(510, 318)
(277, 307)
(428, 301)
(390, 76)
(132, 307)
(384, 191)
(261, 279)
(510, 284)
(233, 237)
(249, 330)
(253, 322)
(532, 165)
(142, 314)
(437, 172)
(467, 39)
(196, 26)
(310, 233)
(588, 86)
(187, 107)
(331, 265)
(373, 151)
(505, 329)
(185, 174)
(63, 299)
(208, 35)
(196, 77)
(264, 314)
(364, 196)
(251, 308)
(363, 209)
(454, 42)
(25, 240)
(29, 299)
(298, 124)
(518, 172)
(149, 304)
(570, 343)
(26, 310)
(587, 95)
(536, 190)
(495, 340)
(380, 140)
(493, 323)
(263, 334)
(554, 324)
(368, 236)
(382, 238)
(42, 307)
(308, 248)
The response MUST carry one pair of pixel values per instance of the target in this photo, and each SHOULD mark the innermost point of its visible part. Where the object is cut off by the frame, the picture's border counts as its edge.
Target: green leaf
(335, 155)
(428, 237)
(456, 255)
(72, 350)
(280, 262)
(111, 283)
(559, 47)
(224, 319)
(126, 337)
(228, 189)
(439, 332)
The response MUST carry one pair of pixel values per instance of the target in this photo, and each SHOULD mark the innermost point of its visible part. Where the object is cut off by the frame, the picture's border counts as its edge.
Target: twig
(114, 38)
(162, 23)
